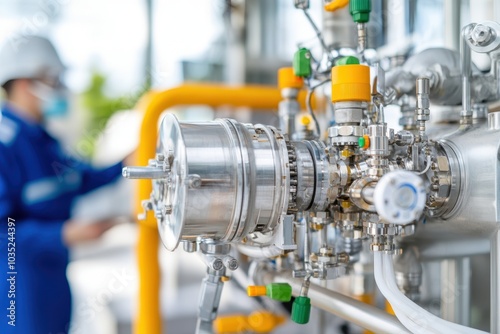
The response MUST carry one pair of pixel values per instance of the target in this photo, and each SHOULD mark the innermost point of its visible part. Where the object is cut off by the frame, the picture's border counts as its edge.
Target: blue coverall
(38, 184)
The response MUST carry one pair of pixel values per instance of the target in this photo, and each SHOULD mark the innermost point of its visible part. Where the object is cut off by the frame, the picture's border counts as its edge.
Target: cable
(308, 103)
(318, 32)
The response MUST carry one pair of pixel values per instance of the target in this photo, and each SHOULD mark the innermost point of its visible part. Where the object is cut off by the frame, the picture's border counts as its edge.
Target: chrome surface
(244, 180)
(359, 313)
(321, 175)
(495, 282)
(473, 158)
(305, 176)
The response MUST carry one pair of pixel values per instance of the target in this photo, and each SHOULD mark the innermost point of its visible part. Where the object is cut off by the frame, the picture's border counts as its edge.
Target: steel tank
(474, 200)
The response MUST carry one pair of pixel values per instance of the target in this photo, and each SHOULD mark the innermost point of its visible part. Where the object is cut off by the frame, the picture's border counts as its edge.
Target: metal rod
(495, 283)
(455, 290)
(464, 278)
(423, 103)
(465, 63)
(437, 250)
(359, 313)
(133, 172)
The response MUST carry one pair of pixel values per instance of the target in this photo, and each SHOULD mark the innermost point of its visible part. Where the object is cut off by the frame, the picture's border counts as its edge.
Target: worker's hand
(76, 232)
(130, 159)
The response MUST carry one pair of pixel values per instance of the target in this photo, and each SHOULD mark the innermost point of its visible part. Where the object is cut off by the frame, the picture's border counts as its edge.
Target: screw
(217, 264)
(193, 181)
(481, 34)
(231, 263)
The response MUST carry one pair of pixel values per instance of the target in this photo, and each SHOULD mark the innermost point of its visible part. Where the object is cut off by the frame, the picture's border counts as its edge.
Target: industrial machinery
(295, 206)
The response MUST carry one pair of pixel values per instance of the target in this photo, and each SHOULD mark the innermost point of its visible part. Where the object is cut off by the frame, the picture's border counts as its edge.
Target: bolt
(343, 257)
(298, 273)
(481, 35)
(231, 263)
(193, 181)
(168, 209)
(190, 246)
(217, 264)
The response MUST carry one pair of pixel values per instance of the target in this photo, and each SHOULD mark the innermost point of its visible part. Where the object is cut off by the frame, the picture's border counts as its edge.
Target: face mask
(55, 106)
(54, 102)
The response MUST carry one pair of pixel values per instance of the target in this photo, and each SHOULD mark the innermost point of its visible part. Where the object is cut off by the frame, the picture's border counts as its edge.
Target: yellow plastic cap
(350, 83)
(336, 4)
(230, 324)
(257, 290)
(264, 322)
(305, 120)
(286, 79)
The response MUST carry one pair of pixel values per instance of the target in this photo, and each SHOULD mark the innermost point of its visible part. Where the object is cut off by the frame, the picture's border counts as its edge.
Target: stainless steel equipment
(313, 203)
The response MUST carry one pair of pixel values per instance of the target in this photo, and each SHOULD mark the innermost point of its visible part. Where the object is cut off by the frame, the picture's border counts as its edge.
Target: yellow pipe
(257, 97)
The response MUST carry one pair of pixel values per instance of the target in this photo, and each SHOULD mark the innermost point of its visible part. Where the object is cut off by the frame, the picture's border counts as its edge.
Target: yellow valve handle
(335, 5)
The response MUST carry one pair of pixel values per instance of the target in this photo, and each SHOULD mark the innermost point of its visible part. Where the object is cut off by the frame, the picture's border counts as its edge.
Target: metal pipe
(495, 283)
(445, 249)
(359, 313)
(455, 290)
(422, 92)
(148, 319)
(466, 68)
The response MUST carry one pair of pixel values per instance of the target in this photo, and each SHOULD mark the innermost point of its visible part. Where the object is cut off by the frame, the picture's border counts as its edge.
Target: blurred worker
(38, 184)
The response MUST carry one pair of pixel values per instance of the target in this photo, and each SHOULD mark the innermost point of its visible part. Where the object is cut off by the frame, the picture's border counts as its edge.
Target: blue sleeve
(93, 178)
(39, 240)
(40, 237)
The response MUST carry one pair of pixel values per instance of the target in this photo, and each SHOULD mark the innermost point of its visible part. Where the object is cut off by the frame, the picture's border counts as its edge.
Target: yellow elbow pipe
(258, 97)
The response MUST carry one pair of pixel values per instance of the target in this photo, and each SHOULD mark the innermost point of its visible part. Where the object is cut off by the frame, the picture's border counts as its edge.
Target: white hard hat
(27, 57)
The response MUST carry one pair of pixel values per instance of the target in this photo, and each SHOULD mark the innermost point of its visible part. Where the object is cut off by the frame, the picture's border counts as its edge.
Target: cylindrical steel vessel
(227, 179)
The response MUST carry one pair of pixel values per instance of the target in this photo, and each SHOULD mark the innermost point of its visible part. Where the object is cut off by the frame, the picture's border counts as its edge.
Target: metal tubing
(439, 250)
(267, 98)
(359, 313)
(455, 290)
(495, 283)
(466, 67)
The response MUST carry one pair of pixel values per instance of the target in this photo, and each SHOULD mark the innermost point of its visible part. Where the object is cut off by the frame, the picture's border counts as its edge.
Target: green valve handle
(361, 142)
(302, 63)
(360, 10)
(279, 291)
(301, 310)
(349, 60)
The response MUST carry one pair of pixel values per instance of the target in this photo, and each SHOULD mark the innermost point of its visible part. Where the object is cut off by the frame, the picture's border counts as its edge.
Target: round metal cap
(172, 192)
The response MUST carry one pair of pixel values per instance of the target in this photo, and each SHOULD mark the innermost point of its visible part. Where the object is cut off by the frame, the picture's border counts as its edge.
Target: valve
(301, 307)
(360, 12)
(301, 310)
(302, 63)
(277, 291)
(399, 197)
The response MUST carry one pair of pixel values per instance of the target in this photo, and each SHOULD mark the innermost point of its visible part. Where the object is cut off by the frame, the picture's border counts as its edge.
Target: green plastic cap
(302, 63)
(279, 291)
(301, 310)
(361, 141)
(360, 10)
(349, 60)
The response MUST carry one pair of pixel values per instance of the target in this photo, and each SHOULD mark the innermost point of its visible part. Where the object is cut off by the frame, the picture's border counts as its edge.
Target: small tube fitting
(423, 90)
